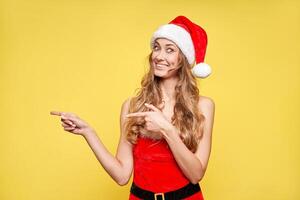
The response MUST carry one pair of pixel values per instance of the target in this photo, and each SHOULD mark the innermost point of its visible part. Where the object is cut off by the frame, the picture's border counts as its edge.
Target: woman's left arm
(193, 165)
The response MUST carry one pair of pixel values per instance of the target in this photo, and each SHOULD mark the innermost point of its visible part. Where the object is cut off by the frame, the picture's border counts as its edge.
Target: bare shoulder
(123, 113)
(125, 106)
(206, 103)
(206, 106)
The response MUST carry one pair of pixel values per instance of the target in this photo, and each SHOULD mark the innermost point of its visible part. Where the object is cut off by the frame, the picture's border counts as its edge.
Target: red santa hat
(190, 38)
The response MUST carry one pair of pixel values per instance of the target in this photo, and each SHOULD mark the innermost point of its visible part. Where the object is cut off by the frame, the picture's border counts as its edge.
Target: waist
(158, 176)
(186, 191)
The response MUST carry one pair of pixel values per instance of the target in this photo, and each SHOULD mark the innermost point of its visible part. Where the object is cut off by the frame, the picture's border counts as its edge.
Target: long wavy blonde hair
(187, 117)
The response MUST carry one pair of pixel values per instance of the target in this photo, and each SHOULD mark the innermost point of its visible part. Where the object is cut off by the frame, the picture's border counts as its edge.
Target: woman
(166, 128)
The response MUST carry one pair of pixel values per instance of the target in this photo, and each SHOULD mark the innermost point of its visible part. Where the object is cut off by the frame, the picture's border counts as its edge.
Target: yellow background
(87, 57)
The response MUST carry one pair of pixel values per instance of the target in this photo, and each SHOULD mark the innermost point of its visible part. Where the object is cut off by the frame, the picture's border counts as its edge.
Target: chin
(160, 74)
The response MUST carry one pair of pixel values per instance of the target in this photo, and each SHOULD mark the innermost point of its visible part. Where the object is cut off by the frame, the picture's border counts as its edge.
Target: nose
(160, 55)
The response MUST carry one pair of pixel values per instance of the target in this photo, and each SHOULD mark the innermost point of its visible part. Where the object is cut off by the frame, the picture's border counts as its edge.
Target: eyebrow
(166, 44)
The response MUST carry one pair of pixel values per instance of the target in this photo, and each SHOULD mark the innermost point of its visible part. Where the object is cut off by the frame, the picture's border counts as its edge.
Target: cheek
(154, 54)
(174, 63)
(174, 59)
(152, 58)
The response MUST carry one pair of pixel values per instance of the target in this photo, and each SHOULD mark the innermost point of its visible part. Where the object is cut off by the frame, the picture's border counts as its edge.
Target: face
(165, 58)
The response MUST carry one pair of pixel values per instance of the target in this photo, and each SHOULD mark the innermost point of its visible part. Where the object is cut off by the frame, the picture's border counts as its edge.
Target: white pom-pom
(201, 70)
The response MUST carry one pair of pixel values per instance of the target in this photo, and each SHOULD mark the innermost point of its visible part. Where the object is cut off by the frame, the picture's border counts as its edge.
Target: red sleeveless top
(155, 168)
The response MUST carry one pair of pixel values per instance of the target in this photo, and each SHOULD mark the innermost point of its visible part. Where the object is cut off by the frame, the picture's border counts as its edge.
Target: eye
(170, 50)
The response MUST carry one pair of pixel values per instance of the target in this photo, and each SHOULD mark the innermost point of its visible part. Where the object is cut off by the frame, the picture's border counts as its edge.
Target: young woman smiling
(166, 129)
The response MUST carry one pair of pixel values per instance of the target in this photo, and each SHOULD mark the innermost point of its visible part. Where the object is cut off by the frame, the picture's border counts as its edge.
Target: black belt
(181, 193)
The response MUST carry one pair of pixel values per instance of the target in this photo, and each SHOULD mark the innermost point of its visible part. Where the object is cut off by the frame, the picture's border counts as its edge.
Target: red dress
(155, 168)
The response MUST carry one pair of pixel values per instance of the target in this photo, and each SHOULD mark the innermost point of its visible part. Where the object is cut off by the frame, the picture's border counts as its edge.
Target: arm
(119, 167)
(194, 165)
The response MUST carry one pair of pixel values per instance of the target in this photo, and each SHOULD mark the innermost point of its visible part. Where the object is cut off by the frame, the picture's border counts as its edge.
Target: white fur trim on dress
(179, 36)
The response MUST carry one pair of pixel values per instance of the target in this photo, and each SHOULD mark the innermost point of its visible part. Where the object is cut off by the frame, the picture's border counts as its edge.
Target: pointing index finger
(56, 113)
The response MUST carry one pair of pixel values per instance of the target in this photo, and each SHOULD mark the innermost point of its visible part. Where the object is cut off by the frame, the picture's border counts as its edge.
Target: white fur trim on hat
(179, 36)
(201, 70)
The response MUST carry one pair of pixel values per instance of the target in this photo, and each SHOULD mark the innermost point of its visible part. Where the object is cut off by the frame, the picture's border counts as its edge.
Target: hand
(156, 121)
(73, 123)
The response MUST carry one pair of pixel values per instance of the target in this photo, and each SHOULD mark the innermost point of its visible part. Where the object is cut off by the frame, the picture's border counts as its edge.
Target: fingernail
(146, 104)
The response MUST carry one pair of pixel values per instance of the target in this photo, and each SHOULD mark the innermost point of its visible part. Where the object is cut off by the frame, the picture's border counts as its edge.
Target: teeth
(160, 65)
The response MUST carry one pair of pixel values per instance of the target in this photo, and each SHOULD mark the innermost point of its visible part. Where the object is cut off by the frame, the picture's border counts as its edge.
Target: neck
(167, 87)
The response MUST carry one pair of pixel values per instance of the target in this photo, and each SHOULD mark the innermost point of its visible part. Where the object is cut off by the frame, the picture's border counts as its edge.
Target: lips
(160, 66)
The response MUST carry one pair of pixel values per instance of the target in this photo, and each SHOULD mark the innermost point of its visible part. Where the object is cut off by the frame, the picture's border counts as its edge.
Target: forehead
(166, 42)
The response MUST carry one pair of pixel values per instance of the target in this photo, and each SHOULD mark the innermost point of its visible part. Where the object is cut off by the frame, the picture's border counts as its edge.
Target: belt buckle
(159, 194)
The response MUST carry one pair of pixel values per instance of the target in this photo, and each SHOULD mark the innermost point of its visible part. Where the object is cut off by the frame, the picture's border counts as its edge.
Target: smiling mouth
(160, 66)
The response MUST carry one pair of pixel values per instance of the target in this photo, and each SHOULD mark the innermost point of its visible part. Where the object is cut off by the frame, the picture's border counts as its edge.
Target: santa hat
(190, 38)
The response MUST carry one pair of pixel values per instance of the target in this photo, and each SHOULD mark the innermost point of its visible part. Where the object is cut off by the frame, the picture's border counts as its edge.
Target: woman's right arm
(119, 167)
